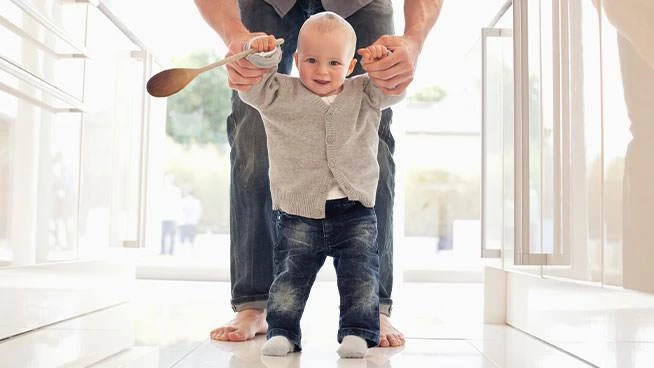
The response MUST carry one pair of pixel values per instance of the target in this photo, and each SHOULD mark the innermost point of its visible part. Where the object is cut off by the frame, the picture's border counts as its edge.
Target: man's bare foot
(389, 335)
(245, 325)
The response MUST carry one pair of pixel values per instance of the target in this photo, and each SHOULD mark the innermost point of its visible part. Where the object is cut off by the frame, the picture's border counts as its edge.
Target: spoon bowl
(170, 81)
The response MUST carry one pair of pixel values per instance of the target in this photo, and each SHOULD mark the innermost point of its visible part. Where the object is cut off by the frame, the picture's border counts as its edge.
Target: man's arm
(225, 18)
(394, 73)
(630, 20)
(419, 18)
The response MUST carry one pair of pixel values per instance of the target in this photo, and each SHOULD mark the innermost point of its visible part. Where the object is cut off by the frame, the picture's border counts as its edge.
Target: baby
(322, 144)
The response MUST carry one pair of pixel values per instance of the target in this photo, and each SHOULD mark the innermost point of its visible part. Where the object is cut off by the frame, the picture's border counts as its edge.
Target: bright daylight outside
(436, 129)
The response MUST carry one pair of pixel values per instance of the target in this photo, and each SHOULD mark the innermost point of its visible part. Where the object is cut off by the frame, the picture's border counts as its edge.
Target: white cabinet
(74, 128)
(41, 107)
(74, 119)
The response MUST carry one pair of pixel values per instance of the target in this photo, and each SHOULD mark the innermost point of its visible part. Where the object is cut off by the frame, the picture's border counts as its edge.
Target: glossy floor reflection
(31, 297)
(167, 325)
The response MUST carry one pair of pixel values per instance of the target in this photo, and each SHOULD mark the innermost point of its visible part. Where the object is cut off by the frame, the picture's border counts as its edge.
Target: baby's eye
(311, 60)
(334, 63)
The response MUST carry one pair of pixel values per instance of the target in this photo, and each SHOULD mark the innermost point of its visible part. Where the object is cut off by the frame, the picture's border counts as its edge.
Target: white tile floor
(35, 296)
(167, 323)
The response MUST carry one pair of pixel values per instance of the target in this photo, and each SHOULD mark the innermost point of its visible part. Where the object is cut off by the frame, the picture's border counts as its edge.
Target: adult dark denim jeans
(251, 217)
(348, 233)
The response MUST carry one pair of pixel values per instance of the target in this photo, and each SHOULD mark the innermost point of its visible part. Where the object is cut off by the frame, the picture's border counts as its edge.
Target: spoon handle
(233, 58)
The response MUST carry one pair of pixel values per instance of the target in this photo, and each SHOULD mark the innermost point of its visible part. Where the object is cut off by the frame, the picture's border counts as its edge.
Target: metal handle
(25, 35)
(49, 25)
(503, 9)
(75, 105)
(113, 19)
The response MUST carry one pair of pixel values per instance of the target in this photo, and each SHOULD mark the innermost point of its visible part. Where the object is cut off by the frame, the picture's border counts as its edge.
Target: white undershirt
(335, 192)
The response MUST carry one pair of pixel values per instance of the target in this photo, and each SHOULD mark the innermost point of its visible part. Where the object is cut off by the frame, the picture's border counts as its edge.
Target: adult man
(250, 205)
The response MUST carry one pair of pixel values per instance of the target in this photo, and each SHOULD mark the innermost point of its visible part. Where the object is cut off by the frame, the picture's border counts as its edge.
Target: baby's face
(324, 60)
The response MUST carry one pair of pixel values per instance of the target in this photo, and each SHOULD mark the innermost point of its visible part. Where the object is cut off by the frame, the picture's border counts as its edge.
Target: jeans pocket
(293, 232)
(361, 230)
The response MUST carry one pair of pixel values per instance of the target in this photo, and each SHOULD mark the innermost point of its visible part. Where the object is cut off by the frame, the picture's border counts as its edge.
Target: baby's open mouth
(321, 81)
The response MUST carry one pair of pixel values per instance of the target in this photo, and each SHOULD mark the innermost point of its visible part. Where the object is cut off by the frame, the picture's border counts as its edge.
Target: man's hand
(242, 74)
(393, 73)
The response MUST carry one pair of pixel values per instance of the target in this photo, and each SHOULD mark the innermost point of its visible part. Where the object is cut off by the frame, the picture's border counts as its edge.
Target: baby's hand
(373, 53)
(263, 44)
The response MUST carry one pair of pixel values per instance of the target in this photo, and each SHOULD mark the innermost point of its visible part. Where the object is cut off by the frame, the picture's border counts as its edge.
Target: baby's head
(325, 53)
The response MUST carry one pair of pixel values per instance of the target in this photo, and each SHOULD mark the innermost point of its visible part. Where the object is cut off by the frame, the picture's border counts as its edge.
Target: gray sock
(277, 346)
(352, 347)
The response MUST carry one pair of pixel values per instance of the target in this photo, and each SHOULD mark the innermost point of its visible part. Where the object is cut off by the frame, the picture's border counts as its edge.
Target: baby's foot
(277, 346)
(352, 347)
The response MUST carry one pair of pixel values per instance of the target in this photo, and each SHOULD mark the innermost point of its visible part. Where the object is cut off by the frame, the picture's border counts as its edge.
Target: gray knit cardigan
(313, 146)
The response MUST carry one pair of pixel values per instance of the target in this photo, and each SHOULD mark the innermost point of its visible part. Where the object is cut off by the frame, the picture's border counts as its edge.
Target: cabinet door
(497, 141)
(112, 137)
(497, 135)
(580, 142)
(539, 104)
(39, 159)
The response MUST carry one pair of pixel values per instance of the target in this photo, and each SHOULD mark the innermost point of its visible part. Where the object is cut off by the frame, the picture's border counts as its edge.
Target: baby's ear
(353, 63)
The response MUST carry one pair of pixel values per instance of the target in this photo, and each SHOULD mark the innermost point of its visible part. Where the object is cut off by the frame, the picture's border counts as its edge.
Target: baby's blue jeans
(348, 233)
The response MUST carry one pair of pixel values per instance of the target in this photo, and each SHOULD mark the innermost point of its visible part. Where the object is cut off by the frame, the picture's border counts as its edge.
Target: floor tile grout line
(107, 358)
(52, 324)
(181, 359)
(553, 346)
(496, 364)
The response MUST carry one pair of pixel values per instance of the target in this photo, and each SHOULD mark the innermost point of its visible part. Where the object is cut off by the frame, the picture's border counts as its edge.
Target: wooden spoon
(170, 81)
